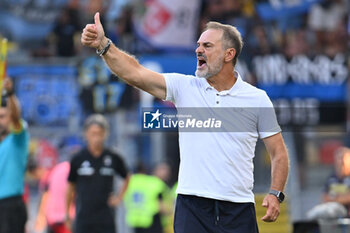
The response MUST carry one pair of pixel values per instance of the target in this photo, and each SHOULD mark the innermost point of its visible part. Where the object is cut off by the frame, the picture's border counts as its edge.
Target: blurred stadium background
(296, 50)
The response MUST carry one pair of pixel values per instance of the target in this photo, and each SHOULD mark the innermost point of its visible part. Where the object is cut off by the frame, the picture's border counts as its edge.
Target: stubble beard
(210, 70)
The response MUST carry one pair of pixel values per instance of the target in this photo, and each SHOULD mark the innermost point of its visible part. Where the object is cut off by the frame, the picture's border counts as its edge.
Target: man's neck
(3, 135)
(224, 80)
(95, 151)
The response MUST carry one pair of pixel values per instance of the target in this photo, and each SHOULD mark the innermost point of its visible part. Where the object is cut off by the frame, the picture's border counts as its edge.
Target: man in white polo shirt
(216, 169)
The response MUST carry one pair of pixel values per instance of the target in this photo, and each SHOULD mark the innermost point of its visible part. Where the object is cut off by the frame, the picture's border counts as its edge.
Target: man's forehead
(95, 126)
(3, 110)
(211, 36)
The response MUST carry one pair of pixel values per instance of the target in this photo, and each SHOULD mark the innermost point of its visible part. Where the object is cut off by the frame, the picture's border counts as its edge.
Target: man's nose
(199, 50)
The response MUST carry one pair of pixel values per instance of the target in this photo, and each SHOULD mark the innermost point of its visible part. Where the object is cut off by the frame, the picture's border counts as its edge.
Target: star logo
(156, 115)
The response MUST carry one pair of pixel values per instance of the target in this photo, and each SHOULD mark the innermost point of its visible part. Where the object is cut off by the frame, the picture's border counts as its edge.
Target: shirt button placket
(217, 99)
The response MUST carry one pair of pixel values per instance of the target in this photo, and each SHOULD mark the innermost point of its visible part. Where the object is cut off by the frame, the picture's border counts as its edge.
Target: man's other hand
(273, 208)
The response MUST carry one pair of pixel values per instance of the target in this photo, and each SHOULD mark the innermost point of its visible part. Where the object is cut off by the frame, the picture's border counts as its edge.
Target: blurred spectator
(229, 12)
(65, 31)
(326, 19)
(52, 204)
(235, 15)
(327, 15)
(43, 166)
(295, 43)
(124, 30)
(91, 178)
(14, 141)
(163, 172)
(259, 41)
(337, 188)
(326, 22)
(336, 196)
(144, 201)
(89, 7)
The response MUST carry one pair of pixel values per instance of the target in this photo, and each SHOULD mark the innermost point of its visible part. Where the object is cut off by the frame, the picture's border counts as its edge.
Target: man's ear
(230, 54)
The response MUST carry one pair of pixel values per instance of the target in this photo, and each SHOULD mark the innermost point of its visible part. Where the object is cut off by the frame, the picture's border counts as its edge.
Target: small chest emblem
(85, 169)
(85, 164)
(107, 161)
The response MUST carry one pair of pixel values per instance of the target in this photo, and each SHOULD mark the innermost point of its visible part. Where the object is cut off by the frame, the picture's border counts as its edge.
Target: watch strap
(278, 194)
(105, 49)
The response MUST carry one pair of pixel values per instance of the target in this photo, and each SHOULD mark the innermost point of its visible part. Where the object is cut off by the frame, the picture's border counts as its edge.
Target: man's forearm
(133, 73)
(279, 170)
(122, 64)
(69, 197)
(124, 187)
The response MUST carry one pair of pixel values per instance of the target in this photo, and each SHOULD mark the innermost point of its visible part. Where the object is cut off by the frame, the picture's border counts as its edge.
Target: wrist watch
(105, 49)
(278, 194)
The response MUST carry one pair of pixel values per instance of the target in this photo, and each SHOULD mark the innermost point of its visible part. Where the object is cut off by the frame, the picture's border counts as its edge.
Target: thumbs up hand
(93, 34)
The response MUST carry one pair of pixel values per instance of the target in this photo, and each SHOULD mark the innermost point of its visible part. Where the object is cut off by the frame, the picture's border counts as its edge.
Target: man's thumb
(264, 204)
(97, 19)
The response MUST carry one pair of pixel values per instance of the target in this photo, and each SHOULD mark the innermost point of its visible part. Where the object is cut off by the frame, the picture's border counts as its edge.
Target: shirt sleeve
(267, 120)
(72, 176)
(119, 166)
(174, 82)
(21, 135)
(24, 127)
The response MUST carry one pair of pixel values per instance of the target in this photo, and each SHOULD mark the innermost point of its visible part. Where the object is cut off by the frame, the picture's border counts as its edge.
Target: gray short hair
(96, 119)
(231, 37)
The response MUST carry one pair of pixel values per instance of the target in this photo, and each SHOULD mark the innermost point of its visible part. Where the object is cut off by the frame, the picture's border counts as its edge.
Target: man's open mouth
(201, 62)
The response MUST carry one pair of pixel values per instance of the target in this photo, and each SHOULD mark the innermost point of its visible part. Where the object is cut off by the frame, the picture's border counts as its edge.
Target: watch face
(278, 194)
(281, 196)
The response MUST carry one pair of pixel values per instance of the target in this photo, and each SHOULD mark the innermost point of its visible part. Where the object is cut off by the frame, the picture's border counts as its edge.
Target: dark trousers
(13, 215)
(156, 226)
(94, 228)
(203, 215)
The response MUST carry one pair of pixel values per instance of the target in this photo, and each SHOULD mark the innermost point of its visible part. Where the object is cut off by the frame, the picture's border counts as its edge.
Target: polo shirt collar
(234, 89)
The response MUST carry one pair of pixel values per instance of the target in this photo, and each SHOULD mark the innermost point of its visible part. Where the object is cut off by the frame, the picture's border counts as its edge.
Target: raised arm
(279, 172)
(13, 105)
(123, 65)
